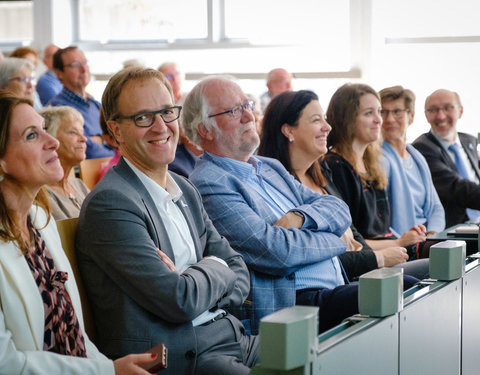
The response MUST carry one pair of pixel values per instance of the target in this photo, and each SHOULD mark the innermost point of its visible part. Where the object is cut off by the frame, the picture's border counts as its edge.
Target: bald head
(278, 81)
(48, 53)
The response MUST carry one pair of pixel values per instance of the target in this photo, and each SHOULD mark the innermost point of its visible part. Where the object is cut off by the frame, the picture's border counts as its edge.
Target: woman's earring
(1, 176)
(290, 140)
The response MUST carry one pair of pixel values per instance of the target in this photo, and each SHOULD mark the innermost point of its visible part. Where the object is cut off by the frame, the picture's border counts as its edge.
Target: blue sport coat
(272, 253)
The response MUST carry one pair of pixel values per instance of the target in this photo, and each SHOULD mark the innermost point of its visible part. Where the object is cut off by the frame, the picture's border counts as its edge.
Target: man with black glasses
(155, 268)
(452, 158)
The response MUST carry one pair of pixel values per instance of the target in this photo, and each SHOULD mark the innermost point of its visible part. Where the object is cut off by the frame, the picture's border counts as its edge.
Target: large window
(16, 22)
(142, 20)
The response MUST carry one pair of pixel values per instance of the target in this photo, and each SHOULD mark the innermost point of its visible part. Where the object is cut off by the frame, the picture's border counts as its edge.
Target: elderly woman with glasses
(411, 194)
(66, 125)
(16, 75)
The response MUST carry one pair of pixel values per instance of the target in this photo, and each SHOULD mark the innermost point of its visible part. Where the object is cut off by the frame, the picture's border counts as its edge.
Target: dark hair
(57, 57)
(342, 113)
(398, 92)
(8, 230)
(286, 108)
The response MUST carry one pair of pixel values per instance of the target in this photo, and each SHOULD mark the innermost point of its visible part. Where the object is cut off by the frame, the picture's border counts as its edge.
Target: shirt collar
(240, 168)
(172, 190)
(445, 144)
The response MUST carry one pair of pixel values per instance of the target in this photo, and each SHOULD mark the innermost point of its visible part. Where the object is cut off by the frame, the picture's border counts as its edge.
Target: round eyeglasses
(146, 119)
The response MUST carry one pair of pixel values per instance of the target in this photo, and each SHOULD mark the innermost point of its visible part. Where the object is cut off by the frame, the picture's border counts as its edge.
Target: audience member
(278, 81)
(16, 75)
(48, 84)
(109, 140)
(288, 235)
(31, 55)
(41, 324)
(187, 153)
(28, 53)
(175, 77)
(72, 70)
(452, 158)
(355, 161)
(141, 295)
(130, 63)
(412, 197)
(66, 125)
(295, 133)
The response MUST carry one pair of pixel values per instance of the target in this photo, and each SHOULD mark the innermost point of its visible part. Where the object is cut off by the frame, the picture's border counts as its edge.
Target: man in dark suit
(155, 268)
(455, 169)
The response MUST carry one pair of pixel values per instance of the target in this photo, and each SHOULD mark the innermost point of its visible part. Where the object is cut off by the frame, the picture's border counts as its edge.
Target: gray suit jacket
(137, 301)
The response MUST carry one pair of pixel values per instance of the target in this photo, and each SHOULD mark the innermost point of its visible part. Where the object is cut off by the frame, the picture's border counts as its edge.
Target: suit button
(190, 354)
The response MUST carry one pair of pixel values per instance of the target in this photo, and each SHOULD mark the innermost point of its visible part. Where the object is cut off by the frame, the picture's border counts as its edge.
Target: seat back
(90, 169)
(67, 229)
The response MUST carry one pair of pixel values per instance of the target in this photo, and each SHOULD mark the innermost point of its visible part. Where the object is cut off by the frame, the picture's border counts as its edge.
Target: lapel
(470, 150)
(284, 185)
(160, 239)
(21, 282)
(445, 156)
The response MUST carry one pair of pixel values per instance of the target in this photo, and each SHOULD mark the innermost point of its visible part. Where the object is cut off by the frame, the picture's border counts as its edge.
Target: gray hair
(11, 65)
(56, 116)
(195, 111)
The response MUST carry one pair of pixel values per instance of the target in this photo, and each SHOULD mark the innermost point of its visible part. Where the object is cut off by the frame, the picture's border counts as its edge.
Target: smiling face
(152, 148)
(236, 138)
(448, 110)
(30, 157)
(368, 121)
(73, 144)
(310, 134)
(395, 120)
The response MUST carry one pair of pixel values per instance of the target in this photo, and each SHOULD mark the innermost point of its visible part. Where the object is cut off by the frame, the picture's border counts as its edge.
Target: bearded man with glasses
(452, 157)
(154, 266)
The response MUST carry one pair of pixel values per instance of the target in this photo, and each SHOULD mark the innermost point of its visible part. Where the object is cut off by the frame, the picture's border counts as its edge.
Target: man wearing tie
(452, 158)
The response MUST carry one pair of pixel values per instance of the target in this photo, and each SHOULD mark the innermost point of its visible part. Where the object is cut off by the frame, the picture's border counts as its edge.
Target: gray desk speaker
(288, 338)
(447, 260)
(380, 292)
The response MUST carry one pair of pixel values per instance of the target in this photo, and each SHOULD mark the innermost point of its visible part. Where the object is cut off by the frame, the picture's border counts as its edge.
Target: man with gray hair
(288, 235)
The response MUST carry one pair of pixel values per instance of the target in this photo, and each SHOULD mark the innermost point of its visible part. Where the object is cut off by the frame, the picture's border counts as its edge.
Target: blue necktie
(459, 163)
(463, 173)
